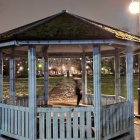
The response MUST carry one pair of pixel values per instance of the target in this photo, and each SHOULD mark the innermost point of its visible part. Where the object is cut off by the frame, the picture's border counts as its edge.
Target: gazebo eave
(72, 42)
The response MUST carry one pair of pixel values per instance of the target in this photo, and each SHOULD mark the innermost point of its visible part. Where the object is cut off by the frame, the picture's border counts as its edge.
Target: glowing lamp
(134, 7)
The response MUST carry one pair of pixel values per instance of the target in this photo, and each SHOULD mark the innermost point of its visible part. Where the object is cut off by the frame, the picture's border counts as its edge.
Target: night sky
(115, 13)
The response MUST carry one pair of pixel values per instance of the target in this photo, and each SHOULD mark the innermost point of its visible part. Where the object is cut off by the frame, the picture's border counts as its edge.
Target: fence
(65, 122)
(115, 120)
(105, 99)
(73, 122)
(14, 121)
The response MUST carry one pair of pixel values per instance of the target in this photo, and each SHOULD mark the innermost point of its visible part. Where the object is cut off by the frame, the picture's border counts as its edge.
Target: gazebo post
(84, 77)
(97, 90)
(12, 78)
(1, 76)
(129, 86)
(46, 80)
(32, 92)
(117, 74)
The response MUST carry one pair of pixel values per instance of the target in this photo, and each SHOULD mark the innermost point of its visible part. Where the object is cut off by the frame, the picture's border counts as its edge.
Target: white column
(12, 78)
(1, 76)
(97, 90)
(32, 92)
(84, 78)
(46, 80)
(117, 74)
(129, 88)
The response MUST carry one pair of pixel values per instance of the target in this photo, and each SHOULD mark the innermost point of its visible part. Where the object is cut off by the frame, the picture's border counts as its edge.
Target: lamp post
(135, 9)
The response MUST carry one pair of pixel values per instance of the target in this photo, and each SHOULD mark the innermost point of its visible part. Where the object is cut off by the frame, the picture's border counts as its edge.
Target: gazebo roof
(66, 26)
(66, 29)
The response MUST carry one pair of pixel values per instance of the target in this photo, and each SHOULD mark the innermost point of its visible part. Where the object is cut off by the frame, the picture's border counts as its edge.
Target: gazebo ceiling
(60, 31)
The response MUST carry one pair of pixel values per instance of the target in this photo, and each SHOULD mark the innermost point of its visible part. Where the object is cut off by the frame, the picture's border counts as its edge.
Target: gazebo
(67, 35)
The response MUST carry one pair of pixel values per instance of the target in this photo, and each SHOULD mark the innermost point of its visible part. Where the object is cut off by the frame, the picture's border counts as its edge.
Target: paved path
(63, 93)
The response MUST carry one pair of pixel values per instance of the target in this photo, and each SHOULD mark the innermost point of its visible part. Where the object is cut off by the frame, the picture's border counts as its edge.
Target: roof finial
(64, 11)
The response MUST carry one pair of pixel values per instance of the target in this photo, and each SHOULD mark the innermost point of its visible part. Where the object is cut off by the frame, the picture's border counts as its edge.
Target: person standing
(78, 91)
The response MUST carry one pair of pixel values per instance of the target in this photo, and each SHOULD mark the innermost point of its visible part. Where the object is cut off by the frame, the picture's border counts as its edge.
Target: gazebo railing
(88, 99)
(14, 121)
(105, 99)
(66, 123)
(52, 123)
(115, 120)
(24, 101)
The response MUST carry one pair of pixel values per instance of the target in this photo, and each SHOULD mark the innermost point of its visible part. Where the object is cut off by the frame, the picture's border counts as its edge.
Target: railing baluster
(61, 131)
(88, 123)
(75, 124)
(2, 125)
(48, 125)
(12, 121)
(118, 116)
(0, 117)
(104, 122)
(22, 123)
(68, 125)
(9, 115)
(121, 118)
(19, 122)
(41, 125)
(6, 119)
(82, 124)
(27, 124)
(111, 121)
(16, 129)
(55, 125)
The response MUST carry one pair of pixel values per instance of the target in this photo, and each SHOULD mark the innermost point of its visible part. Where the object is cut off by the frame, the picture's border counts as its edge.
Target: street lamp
(135, 9)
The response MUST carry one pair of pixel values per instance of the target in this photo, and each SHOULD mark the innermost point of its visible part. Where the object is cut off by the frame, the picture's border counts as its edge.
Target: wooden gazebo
(68, 35)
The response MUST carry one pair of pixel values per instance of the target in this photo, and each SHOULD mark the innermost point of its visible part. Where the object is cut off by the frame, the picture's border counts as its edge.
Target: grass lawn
(21, 85)
(107, 81)
(108, 85)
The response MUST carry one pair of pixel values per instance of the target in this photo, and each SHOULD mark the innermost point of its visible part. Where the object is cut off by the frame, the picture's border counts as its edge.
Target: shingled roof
(66, 26)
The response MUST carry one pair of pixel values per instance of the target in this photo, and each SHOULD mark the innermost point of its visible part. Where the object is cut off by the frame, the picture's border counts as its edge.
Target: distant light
(39, 65)
(87, 67)
(134, 7)
(20, 68)
(102, 68)
(72, 68)
(63, 67)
